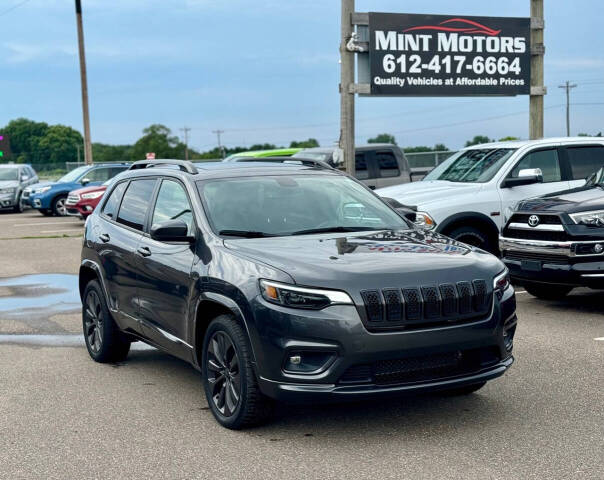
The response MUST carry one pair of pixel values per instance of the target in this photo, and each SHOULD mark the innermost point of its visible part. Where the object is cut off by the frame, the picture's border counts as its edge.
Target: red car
(82, 202)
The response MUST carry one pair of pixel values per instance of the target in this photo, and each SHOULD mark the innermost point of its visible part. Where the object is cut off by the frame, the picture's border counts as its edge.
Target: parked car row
(14, 180)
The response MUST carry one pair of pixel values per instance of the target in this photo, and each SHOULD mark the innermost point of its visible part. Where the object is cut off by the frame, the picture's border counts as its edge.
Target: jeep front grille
(428, 305)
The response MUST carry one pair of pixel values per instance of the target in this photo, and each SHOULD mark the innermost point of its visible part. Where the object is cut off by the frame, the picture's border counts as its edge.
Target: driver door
(548, 161)
(165, 282)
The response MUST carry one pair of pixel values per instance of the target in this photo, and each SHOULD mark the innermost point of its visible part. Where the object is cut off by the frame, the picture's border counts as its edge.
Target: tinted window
(172, 204)
(474, 165)
(546, 160)
(99, 175)
(360, 162)
(585, 160)
(113, 202)
(134, 205)
(387, 164)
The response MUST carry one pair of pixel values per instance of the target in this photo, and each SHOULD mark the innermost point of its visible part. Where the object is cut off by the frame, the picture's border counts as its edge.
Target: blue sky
(265, 71)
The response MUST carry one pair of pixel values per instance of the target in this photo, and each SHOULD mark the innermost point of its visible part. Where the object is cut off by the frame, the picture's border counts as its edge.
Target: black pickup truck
(554, 243)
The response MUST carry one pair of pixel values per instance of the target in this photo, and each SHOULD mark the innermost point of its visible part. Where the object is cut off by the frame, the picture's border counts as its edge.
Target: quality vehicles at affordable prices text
(50, 197)
(554, 243)
(288, 282)
(469, 194)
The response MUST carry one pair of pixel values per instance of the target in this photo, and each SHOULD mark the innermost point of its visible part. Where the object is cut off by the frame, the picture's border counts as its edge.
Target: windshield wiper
(245, 233)
(334, 229)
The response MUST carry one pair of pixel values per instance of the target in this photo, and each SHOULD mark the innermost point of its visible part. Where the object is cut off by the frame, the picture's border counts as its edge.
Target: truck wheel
(58, 206)
(547, 292)
(104, 340)
(473, 236)
(229, 379)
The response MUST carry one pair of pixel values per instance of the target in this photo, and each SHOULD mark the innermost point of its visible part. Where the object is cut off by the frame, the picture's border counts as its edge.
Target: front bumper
(408, 355)
(81, 209)
(8, 200)
(559, 263)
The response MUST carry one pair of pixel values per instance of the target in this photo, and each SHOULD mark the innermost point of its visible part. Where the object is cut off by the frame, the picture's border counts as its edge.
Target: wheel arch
(474, 219)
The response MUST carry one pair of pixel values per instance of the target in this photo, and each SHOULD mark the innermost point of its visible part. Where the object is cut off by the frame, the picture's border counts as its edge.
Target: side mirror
(526, 176)
(171, 231)
(24, 178)
(409, 212)
(85, 181)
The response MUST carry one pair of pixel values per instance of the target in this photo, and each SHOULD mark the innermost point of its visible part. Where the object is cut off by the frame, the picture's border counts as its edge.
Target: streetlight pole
(84, 82)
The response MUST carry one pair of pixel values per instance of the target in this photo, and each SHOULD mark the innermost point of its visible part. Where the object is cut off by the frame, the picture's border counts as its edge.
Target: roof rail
(184, 165)
(303, 161)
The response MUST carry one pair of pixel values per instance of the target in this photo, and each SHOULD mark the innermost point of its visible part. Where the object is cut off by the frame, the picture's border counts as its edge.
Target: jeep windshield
(294, 205)
(471, 166)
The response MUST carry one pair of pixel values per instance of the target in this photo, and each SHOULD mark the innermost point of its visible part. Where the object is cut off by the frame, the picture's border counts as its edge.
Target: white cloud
(22, 52)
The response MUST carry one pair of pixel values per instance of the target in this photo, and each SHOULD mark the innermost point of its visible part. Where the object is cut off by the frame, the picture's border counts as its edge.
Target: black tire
(227, 367)
(104, 341)
(58, 206)
(545, 291)
(46, 212)
(473, 236)
(465, 390)
(18, 208)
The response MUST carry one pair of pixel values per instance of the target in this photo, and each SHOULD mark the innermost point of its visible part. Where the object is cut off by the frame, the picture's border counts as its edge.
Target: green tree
(508, 139)
(478, 139)
(159, 140)
(59, 145)
(383, 138)
(101, 152)
(310, 143)
(24, 135)
(441, 147)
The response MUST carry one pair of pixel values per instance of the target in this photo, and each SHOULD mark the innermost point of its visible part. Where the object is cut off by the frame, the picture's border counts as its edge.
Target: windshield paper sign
(448, 55)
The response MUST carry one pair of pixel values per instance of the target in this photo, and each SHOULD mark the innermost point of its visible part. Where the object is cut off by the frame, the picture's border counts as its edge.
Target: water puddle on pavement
(63, 340)
(48, 293)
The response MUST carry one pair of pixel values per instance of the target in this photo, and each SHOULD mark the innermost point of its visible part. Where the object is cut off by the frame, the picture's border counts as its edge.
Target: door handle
(144, 251)
(104, 237)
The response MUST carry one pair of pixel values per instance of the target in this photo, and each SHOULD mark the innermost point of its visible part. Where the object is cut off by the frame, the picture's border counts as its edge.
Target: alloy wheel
(223, 374)
(61, 209)
(93, 321)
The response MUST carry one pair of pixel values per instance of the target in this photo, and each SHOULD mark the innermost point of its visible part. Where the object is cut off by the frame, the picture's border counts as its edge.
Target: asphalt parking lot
(64, 416)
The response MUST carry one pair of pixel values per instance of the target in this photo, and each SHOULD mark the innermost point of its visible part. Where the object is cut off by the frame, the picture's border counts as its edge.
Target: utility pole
(346, 83)
(567, 86)
(220, 149)
(84, 82)
(537, 82)
(186, 131)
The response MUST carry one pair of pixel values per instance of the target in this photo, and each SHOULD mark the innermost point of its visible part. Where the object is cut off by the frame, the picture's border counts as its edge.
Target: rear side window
(134, 205)
(585, 160)
(361, 170)
(99, 175)
(113, 202)
(387, 164)
(546, 160)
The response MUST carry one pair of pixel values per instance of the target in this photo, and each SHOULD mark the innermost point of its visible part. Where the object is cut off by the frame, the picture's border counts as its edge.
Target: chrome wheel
(60, 208)
(223, 374)
(93, 321)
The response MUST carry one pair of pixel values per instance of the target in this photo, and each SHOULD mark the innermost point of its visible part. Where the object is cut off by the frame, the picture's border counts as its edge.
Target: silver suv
(13, 180)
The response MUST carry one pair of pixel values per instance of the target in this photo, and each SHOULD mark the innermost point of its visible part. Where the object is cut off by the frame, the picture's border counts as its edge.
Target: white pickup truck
(468, 196)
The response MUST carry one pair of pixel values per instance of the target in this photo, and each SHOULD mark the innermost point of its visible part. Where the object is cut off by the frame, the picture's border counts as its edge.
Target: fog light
(308, 361)
(598, 248)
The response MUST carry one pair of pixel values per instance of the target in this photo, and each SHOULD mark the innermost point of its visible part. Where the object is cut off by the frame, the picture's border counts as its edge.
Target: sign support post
(537, 88)
(346, 88)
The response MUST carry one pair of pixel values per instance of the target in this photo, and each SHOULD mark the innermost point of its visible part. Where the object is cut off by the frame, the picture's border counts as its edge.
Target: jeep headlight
(594, 218)
(302, 297)
(92, 195)
(5, 191)
(425, 221)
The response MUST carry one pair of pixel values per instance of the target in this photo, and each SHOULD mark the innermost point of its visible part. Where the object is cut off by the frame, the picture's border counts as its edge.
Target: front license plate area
(531, 265)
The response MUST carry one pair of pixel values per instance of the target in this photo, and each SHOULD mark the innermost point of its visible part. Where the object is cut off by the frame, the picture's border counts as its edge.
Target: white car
(468, 196)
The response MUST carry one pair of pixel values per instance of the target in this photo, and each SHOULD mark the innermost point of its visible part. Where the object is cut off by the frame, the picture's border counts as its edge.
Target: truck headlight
(425, 221)
(301, 297)
(5, 191)
(594, 218)
(92, 195)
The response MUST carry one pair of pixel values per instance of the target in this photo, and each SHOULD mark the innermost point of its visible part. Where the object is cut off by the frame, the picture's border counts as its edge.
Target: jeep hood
(370, 259)
(424, 193)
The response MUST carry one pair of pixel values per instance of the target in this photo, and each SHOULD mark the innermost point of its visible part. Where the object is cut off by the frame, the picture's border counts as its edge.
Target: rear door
(581, 161)
(165, 283)
(365, 168)
(389, 169)
(120, 229)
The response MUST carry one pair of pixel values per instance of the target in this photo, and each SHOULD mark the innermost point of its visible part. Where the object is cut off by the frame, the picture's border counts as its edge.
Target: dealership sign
(442, 55)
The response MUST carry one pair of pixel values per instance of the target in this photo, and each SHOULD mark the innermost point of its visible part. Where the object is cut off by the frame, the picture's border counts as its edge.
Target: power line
(10, 9)
(567, 87)
(218, 133)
